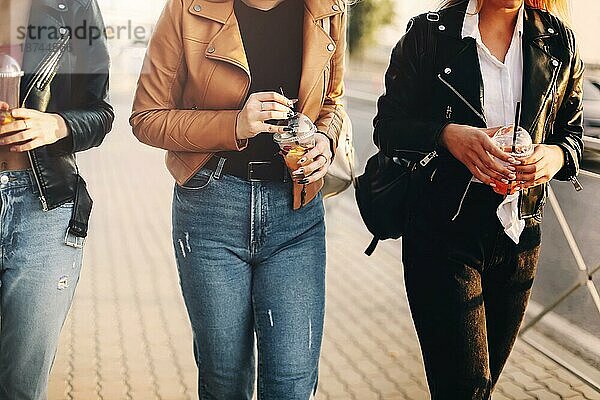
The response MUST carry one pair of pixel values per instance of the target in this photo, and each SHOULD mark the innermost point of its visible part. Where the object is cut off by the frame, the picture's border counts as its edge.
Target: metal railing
(586, 275)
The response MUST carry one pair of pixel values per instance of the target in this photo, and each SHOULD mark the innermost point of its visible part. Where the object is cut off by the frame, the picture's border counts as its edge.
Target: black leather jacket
(66, 72)
(434, 79)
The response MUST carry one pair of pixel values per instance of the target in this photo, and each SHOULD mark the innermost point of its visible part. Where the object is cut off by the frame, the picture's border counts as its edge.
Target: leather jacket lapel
(318, 50)
(227, 44)
(463, 80)
(458, 61)
(47, 25)
(540, 68)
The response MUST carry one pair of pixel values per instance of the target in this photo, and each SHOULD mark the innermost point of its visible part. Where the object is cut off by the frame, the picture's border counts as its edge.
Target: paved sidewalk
(128, 336)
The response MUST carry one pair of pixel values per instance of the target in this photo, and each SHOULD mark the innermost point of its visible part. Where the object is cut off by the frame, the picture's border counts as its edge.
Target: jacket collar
(227, 45)
(535, 24)
(221, 10)
(540, 66)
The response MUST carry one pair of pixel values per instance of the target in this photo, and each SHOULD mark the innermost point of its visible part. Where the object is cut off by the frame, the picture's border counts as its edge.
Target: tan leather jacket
(195, 80)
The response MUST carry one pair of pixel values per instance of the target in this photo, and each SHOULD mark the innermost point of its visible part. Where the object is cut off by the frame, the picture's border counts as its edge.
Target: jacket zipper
(428, 158)
(32, 160)
(37, 181)
(576, 184)
(460, 96)
(462, 200)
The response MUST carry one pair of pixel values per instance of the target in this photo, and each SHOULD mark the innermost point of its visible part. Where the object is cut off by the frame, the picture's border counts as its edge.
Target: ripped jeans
(250, 266)
(38, 276)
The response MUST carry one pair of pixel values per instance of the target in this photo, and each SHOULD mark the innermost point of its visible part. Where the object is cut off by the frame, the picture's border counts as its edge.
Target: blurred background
(128, 337)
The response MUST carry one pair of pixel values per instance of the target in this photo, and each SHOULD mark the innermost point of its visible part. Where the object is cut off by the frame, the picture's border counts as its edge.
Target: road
(557, 270)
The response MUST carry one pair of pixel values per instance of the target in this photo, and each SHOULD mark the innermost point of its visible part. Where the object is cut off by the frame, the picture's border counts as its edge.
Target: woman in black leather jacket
(454, 78)
(45, 206)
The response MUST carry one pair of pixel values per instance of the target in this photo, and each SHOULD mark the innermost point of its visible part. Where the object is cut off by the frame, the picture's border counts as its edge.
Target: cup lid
(303, 129)
(9, 67)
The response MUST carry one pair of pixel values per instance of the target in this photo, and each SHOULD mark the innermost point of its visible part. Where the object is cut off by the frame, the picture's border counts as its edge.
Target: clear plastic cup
(296, 143)
(523, 148)
(10, 83)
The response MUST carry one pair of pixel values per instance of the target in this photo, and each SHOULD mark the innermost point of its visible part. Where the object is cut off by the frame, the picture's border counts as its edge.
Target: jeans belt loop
(73, 241)
(219, 170)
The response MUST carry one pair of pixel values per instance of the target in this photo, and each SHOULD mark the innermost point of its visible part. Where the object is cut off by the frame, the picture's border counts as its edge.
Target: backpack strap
(432, 18)
(372, 246)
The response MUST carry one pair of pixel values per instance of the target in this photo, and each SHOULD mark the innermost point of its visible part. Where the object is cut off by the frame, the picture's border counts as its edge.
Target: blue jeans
(249, 264)
(38, 275)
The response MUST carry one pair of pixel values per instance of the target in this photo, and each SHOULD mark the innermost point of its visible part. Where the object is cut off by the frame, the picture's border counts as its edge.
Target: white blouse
(502, 82)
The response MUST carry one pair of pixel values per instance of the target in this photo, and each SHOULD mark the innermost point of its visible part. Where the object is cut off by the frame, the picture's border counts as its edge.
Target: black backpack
(382, 195)
(382, 192)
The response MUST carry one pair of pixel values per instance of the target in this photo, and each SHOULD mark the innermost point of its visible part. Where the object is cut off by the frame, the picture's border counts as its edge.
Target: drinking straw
(516, 127)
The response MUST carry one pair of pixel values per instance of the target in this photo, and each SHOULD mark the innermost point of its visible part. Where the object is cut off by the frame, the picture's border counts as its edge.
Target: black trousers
(468, 285)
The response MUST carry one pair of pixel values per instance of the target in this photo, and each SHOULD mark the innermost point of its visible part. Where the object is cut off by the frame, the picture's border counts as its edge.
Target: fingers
(24, 113)
(489, 167)
(270, 128)
(532, 173)
(15, 126)
(273, 97)
(315, 152)
(4, 106)
(486, 161)
(477, 173)
(538, 155)
(312, 172)
(31, 145)
(311, 168)
(18, 137)
(314, 164)
(269, 115)
(274, 106)
(316, 176)
(494, 150)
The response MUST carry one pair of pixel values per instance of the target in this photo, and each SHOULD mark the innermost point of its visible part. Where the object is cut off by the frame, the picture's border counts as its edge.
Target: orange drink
(296, 143)
(522, 148)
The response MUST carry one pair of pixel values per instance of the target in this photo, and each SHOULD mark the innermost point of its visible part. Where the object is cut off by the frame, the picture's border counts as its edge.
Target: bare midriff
(12, 44)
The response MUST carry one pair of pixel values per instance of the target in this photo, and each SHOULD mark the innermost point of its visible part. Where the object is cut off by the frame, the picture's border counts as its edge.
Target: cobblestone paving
(128, 336)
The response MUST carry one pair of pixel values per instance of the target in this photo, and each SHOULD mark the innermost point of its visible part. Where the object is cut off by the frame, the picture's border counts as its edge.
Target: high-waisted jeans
(38, 276)
(468, 285)
(251, 265)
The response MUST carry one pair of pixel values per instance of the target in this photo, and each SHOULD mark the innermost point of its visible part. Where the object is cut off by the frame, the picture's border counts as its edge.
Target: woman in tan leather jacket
(249, 241)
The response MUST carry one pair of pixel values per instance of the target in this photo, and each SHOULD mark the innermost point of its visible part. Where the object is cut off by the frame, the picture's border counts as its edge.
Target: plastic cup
(523, 148)
(10, 83)
(296, 143)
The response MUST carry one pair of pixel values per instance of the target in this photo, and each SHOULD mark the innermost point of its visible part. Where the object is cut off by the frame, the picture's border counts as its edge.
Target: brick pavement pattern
(128, 336)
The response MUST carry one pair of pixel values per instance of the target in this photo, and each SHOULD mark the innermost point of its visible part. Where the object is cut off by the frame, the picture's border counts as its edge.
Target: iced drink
(523, 148)
(10, 82)
(296, 143)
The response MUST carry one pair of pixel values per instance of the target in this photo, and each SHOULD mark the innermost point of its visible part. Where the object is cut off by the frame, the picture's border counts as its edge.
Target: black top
(273, 42)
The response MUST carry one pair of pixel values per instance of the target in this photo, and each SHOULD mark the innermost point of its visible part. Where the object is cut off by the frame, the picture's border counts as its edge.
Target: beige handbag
(341, 174)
